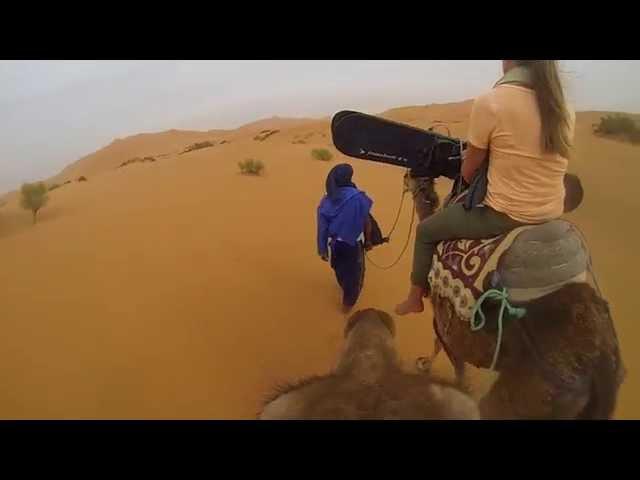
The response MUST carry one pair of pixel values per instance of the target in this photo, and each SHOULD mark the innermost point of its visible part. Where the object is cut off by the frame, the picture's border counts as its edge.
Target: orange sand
(181, 289)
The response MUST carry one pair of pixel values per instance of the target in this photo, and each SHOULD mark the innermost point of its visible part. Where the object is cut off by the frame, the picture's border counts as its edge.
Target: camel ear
(574, 193)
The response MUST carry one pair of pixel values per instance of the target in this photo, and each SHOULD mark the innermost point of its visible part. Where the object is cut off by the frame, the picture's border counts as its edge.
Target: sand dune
(181, 289)
(274, 123)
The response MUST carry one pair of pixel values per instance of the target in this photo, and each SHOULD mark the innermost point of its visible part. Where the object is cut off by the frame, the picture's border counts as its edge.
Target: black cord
(406, 244)
(395, 222)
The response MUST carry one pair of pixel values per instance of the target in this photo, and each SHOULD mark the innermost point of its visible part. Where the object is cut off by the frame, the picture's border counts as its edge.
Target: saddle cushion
(530, 262)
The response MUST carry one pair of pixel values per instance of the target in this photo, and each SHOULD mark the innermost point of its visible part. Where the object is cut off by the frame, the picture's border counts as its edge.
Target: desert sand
(182, 289)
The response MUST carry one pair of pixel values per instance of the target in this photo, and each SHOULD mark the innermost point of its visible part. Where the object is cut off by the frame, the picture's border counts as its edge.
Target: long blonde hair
(554, 114)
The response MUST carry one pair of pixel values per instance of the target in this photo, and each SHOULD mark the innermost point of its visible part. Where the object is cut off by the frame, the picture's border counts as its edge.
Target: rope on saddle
(477, 324)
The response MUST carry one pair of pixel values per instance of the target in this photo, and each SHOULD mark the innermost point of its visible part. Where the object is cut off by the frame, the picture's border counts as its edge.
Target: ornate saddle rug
(530, 262)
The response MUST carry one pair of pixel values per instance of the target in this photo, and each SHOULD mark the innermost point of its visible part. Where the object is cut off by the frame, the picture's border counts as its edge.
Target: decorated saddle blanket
(530, 262)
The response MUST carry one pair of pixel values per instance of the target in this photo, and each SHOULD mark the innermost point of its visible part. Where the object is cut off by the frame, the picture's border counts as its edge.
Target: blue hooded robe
(342, 214)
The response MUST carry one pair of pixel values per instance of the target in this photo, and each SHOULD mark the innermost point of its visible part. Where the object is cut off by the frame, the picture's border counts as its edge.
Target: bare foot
(413, 303)
(410, 305)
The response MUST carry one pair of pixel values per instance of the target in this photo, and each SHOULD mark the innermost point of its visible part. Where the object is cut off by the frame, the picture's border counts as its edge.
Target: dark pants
(348, 263)
(451, 223)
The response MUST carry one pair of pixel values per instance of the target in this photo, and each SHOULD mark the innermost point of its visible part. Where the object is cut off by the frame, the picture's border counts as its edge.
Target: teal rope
(516, 312)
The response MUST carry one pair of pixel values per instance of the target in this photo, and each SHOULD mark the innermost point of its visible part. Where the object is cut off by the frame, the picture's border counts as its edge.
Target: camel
(560, 359)
(369, 383)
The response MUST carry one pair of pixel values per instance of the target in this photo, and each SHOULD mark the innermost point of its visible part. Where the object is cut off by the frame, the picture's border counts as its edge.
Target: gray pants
(453, 223)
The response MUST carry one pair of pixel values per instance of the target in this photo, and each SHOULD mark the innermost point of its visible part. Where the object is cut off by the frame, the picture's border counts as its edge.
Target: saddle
(529, 262)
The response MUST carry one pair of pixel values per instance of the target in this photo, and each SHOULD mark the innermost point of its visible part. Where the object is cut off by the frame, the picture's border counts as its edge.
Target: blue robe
(341, 222)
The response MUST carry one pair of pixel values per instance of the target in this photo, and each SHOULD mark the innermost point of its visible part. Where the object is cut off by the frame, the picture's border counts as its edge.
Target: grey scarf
(518, 75)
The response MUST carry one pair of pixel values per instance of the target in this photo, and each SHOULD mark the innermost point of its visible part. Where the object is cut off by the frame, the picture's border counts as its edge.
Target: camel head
(369, 383)
(369, 350)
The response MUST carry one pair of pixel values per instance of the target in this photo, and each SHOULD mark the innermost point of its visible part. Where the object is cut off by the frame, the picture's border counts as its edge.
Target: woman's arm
(482, 123)
(473, 157)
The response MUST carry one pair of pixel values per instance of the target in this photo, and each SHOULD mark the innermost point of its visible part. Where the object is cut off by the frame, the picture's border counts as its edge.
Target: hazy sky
(54, 112)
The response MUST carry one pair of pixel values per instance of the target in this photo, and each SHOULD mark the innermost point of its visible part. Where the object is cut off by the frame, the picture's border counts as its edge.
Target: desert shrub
(615, 124)
(137, 160)
(264, 134)
(634, 136)
(251, 167)
(82, 178)
(33, 197)
(198, 146)
(53, 186)
(321, 154)
(619, 125)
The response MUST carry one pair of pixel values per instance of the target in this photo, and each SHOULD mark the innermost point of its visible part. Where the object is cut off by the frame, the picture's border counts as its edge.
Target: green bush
(321, 154)
(198, 146)
(634, 137)
(264, 134)
(616, 124)
(33, 197)
(251, 167)
(137, 160)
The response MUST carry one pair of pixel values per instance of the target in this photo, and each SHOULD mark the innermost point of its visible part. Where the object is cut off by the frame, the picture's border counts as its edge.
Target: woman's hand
(473, 157)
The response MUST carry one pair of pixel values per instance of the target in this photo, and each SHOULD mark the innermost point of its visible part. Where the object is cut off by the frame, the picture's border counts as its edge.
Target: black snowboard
(425, 153)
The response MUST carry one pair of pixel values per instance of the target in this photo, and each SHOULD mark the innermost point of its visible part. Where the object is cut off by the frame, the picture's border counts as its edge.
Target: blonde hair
(545, 77)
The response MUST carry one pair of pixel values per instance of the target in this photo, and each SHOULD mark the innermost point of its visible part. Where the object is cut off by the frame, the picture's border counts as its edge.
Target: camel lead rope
(395, 223)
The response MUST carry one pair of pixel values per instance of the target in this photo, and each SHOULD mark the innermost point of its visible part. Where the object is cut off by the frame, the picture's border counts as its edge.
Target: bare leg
(451, 223)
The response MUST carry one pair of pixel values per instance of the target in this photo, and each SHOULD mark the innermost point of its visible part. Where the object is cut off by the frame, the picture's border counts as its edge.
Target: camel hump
(541, 259)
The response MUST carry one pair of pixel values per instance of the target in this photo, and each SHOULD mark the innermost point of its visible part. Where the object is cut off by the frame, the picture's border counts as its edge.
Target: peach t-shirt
(524, 182)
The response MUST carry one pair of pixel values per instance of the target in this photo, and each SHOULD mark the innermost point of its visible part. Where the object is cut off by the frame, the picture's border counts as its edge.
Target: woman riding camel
(527, 129)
